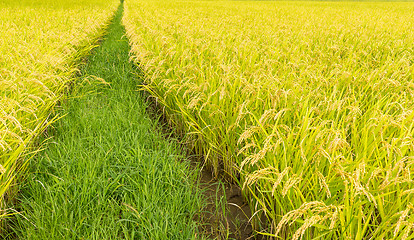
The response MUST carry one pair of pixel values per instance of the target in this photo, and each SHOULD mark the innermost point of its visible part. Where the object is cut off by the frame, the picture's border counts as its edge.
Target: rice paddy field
(41, 44)
(308, 106)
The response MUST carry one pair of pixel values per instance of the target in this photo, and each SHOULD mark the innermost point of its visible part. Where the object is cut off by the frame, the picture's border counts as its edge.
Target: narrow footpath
(107, 171)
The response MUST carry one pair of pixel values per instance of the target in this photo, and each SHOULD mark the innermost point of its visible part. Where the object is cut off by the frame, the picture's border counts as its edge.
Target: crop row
(41, 45)
(307, 105)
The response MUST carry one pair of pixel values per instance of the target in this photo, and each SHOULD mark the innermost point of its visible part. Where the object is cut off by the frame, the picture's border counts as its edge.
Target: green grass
(108, 172)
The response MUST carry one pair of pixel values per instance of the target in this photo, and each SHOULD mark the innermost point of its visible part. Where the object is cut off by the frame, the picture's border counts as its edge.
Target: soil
(227, 214)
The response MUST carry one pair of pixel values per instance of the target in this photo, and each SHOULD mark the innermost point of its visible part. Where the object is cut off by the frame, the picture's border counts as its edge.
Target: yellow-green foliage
(41, 42)
(310, 102)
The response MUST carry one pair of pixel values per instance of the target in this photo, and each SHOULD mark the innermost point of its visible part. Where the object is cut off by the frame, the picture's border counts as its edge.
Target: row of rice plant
(41, 44)
(307, 105)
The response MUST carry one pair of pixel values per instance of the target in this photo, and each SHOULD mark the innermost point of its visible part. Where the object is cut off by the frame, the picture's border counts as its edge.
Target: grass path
(108, 173)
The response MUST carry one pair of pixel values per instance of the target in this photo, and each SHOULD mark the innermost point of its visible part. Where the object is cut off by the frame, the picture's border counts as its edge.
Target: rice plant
(307, 105)
(42, 42)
